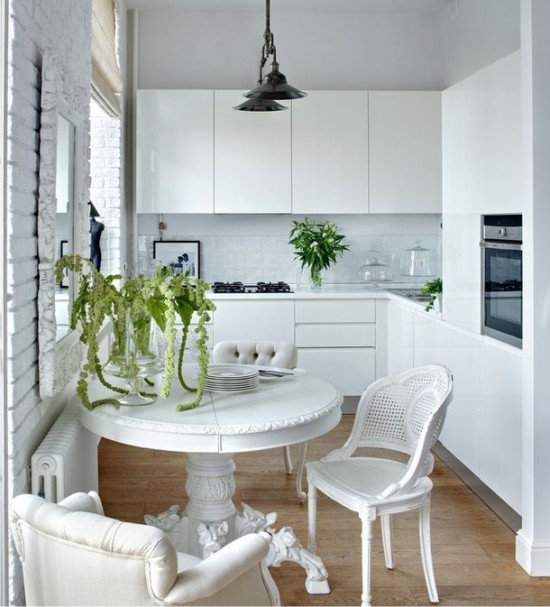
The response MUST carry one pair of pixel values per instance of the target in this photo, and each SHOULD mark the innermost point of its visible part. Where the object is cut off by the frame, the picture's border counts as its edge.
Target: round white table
(279, 412)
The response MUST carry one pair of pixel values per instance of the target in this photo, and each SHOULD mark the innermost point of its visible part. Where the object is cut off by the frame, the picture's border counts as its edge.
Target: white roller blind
(106, 78)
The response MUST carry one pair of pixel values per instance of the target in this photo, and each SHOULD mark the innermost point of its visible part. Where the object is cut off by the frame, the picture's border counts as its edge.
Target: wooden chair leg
(302, 449)
(366, 558)
(387, 540)
(426, 551)
(312, 517)
(288, 459)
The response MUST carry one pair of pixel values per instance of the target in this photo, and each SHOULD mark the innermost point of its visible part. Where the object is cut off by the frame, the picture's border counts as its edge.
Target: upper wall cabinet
(251, 158)
(405, 152)
(481, 174)
(330, 152)
(174, 151)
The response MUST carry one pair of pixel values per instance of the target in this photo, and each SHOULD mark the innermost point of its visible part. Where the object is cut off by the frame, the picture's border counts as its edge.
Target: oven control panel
(503, 227)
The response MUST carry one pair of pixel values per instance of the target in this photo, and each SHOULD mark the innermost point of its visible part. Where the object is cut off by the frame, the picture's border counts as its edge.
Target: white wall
(62, 25)
(319, 50)
(324, 50)
(476, 34)
(253, 248)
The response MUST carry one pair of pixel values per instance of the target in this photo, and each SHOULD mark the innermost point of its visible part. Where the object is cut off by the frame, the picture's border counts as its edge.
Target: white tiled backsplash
(250, 257)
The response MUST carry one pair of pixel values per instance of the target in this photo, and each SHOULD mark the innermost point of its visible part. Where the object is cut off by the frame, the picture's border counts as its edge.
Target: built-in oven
(501, 247)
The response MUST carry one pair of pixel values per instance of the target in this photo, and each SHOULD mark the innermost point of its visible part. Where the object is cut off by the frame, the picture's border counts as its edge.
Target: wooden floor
(473, 549)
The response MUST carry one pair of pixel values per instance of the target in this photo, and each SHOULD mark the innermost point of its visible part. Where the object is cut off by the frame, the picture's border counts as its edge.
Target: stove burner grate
(259, 287)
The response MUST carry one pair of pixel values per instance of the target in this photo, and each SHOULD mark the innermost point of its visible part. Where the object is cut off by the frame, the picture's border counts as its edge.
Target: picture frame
(64, 250)
(181, 256)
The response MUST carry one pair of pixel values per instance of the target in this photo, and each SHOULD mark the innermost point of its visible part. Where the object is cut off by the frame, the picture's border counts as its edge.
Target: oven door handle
(510, 246)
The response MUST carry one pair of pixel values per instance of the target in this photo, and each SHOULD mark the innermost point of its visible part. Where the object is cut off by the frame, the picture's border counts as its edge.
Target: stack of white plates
(232, 378)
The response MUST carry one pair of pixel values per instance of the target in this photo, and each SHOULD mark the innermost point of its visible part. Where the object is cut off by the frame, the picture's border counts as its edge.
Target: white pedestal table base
(211, 520)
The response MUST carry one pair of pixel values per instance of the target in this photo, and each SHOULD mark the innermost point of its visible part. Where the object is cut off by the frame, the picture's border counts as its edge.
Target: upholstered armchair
(71, 554)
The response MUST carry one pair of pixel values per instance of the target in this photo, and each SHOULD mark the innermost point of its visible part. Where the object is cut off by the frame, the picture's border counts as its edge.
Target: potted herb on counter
(317, 246)
(433, 288)
(139, 302)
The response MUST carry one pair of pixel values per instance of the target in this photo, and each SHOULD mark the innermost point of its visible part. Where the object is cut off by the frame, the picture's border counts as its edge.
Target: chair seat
(357, 482)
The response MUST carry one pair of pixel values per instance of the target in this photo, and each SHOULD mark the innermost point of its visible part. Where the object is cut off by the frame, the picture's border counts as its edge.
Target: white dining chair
(71, 554)
(404, 414)
(280, 354)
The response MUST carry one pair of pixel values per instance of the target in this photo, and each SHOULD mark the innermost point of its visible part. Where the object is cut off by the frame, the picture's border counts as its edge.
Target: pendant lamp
(273, 86)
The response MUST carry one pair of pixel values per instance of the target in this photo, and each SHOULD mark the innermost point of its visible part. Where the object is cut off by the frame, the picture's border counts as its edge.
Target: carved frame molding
(58, 362)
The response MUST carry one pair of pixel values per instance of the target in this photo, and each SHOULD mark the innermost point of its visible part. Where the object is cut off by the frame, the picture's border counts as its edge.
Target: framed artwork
(181, 256)
(63, 250)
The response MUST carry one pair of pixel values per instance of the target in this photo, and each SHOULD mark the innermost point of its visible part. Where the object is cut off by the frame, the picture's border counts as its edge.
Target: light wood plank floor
(473, 549)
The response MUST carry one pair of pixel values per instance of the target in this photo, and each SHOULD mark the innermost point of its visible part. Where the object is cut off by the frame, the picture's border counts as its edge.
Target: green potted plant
(317, 246)
(433, 288)
(139, 302)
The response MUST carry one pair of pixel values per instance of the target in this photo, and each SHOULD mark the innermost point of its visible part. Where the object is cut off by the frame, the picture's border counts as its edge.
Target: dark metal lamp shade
(275, 86)
(260, 105)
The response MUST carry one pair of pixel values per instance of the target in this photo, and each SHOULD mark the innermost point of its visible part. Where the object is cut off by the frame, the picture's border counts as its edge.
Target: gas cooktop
(259, 287)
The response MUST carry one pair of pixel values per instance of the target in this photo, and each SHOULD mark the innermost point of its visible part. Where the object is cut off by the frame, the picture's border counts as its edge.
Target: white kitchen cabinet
(399, 337)
(337, 340)
(494, 134)
(481, 118)
(350, 369)
(483, 424)
(265, 320)
(330, 152)
(405, 152)
(500, 421)
(251, 158)
(437, 342)
(175, 151)
(335, 310)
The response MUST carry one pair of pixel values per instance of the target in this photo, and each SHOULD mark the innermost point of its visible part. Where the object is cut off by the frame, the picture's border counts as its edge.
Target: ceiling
(405, 6)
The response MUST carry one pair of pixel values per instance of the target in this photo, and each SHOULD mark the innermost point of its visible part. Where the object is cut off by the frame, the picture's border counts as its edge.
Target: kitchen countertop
(333, 291)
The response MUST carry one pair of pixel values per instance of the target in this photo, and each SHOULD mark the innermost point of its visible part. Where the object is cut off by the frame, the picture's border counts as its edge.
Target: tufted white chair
(404, 414)
(72, 554)
(265, 354)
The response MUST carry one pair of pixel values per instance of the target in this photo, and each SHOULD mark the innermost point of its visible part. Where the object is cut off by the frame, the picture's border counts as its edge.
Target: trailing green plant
(160, 298)
(317, 246)
(433, 288)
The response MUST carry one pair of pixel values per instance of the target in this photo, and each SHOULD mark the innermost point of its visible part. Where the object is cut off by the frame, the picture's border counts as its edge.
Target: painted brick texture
(64, 27)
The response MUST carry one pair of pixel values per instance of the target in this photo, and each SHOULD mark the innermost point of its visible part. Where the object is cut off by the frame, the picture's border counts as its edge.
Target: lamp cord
(269, 45)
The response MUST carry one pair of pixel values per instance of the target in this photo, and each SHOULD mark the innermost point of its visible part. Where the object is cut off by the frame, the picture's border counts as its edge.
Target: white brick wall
(105, 169)
(64, 26)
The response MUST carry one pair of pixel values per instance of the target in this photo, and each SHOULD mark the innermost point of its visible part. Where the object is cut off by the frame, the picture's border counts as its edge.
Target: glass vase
(134, 357)
(315, 278)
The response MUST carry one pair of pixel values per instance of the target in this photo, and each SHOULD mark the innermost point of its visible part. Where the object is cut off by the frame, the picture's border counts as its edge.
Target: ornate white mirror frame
(59, 361)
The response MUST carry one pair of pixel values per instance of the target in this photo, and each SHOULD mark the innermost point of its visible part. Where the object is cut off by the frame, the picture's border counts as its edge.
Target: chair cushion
(262, 353)
(358, 481)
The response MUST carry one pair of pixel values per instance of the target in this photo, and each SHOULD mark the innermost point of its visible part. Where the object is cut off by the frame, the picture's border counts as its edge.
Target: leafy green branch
(316, 245)
(159, 298)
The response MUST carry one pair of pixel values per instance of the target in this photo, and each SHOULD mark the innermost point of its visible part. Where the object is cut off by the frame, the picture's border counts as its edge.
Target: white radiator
(66, 460)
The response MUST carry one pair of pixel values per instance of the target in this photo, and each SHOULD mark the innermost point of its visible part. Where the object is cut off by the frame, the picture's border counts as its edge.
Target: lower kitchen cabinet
(483, 424)
(255, 320)
(336, 339)
(350, 369)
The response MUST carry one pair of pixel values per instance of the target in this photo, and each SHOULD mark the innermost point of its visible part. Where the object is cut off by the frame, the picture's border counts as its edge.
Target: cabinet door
(494, 158)
(335, 310)
(175, 152)
(265, 320)
(405, 152)
(330, 152)
(436, 341)
(349, 369)
(500, 422)
(252, 158)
